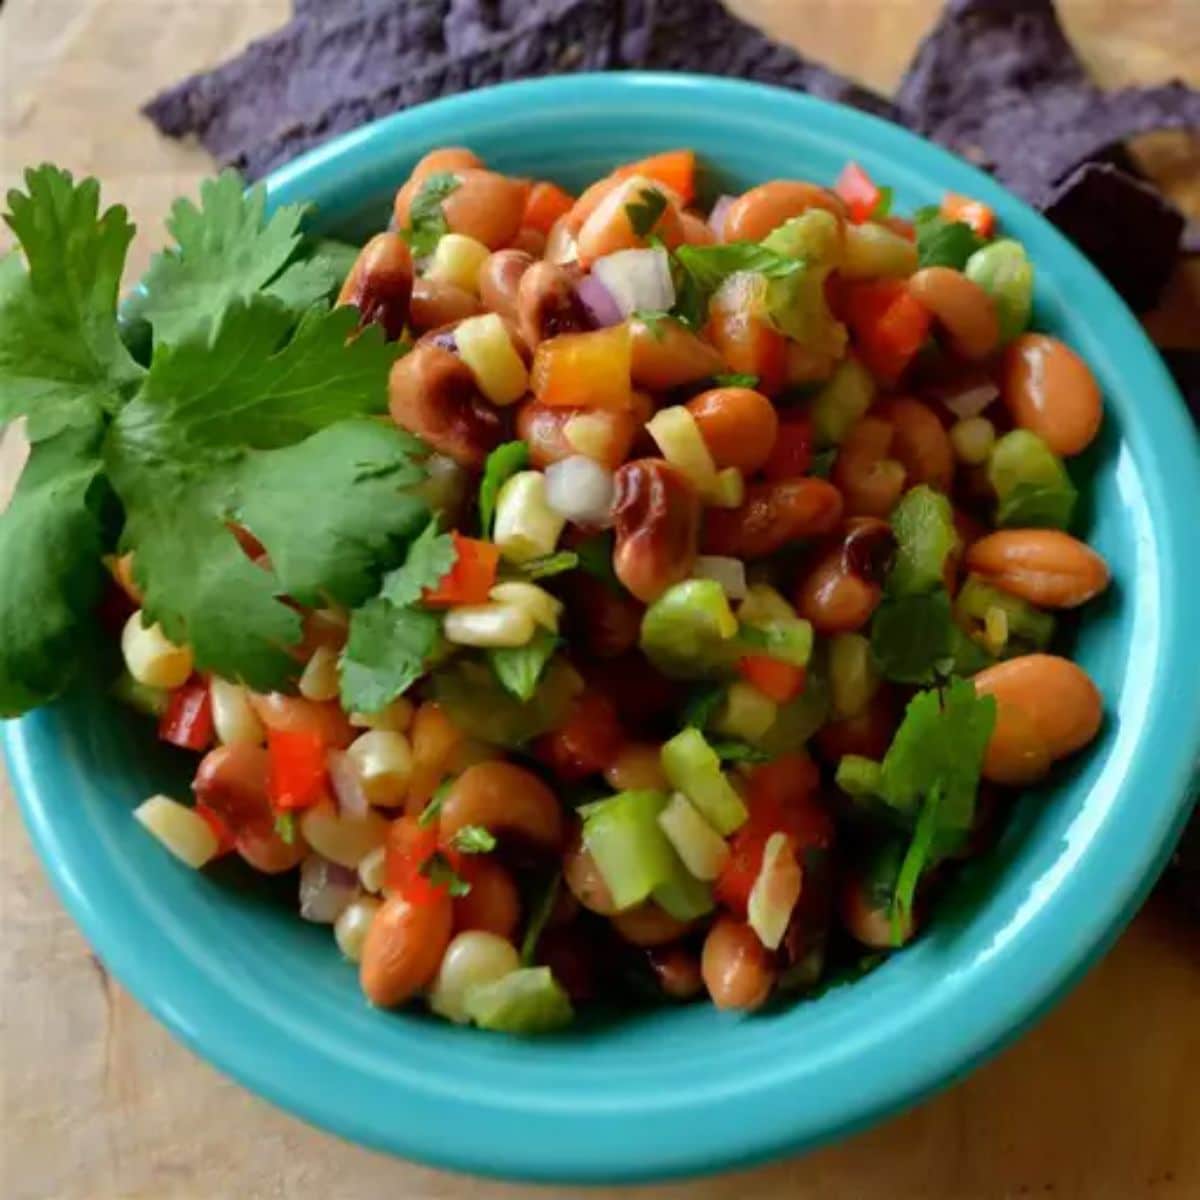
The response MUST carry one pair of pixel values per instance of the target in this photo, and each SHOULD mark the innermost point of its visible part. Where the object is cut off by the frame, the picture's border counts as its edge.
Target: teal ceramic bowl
(235, 974)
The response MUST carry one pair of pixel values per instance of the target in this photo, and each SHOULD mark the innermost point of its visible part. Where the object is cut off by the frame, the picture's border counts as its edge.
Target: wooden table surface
(96, 1101)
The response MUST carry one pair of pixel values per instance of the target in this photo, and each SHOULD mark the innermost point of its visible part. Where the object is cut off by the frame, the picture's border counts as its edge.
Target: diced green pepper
(690, 631)
(1004, 271)
(693, 768)
(632, 853)
(923, 523)
(1032, 486)
(529, 1000)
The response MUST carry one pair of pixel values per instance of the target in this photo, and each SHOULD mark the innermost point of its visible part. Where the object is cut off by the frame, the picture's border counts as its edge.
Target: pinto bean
(763, 209)
(1044, 566)
(1050, 390)
(505, 799)
(404, 948)
(961, 307)
(737, 969)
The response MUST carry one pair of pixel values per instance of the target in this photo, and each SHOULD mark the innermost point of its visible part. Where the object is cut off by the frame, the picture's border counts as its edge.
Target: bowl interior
(228, 965)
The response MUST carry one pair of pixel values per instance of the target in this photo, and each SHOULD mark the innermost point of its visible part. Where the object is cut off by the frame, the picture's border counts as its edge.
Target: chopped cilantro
(473, 839)
(426, 220)
(644, 213)
(923, 524)
(912, 637)
(437, 869)
(701, 704)
(433, 809)
(735, 380)
(822, 462)
(883, 205)
(942, 243)
(520, 668)
(285, 826)
(503, 463)
(700, 271)
(547, 565)
(430, 557)
(538, 916)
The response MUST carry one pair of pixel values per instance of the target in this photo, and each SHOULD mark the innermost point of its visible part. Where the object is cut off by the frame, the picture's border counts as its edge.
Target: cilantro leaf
(520, 668)
(473, 839)
(227, 249)
(437, 869)
(912, 637)
(883, 205)
(653, 319)
(285, 826)
(429, 558)
(386, 653)
(701, 704)
(736, 380)
(644, 213)
(822, 462)
(218, 434)
(548, 564)
(918, 856)
(503, 462)
(62, 360)
(427, 222)
(700, 271)
(538, 917)
(923, 524)
(943, 243)
(433, 809)
(51, 542)
(1028, 505)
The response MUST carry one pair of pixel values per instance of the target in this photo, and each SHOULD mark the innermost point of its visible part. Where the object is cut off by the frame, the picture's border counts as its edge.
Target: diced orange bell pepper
(859, 191)
(547, 202)
(970, 212)
(675, 169)
(888, 325)
(585, 370)
(777, 680)
(296, 776)
(470, 579)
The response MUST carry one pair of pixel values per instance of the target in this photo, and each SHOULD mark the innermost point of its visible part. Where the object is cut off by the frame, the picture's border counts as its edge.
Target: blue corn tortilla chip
(1123, 225)
(998, 82)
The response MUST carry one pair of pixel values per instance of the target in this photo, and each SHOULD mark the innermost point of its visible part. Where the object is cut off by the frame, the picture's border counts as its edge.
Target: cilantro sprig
(426, 220)
(944, 243)
(644, 212)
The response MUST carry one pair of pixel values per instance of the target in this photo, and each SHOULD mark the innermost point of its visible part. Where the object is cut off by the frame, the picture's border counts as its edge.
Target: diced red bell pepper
(781, 799)
(586, 743)
(547, 202)
(970, 212)
(859, 191)
(188, 721)
(297, 775)
(792, 454)
(471, 578)
(221, 831)
(777, 680)
(889, 326)
(408, 848)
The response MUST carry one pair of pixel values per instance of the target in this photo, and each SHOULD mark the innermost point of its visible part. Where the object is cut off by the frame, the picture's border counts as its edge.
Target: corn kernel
(544, 608)
(457, 260)
(341, 839)
(526, 526)
(234, 717)
(185, 833)
(494, 625)
(485, 346)
(321, 679)
(371, 870)
(973, 439)
(590, 434)
(352, 926)
(152, 659)
(397, 717)
(384, 762)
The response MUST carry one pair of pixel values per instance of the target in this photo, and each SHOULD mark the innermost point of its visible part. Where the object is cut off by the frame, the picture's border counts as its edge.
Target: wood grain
(96, 1102)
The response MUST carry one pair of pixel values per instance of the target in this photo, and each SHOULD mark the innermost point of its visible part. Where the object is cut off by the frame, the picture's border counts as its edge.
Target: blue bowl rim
(1053, 969)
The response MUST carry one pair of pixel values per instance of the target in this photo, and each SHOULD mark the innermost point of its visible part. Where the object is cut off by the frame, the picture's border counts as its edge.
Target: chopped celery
(923, 523)
(841, 402)
(1004, 271)
(743, 712)
(775, 892)
(689, 632)
(479, 706)
(632, 853)
(796, 721)
(764, 603)
(693, 768)
(796, 301)
(789, 639)
(703, 851)
(1031, 484)
(859, 776)
(1006, 624)
(149, 701)
(683, 896)
(529, 1000)
(814, 236)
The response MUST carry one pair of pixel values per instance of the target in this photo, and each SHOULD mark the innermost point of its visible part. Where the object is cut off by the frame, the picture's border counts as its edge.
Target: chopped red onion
(581, 490)
(972, 400)
(638, 280)
(720, 210)
(347, 785)
(730, 573)
(325, 889)
(599, 302)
